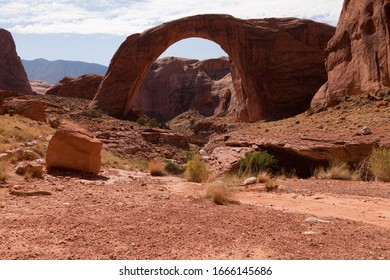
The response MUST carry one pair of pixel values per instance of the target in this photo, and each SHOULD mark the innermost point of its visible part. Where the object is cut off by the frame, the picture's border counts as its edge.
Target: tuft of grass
(219, 194)
(142, 120)
(152, 122)
(263, 177)
(270, 185)
(156, 167)
(379, 164)
(3, 172)
(338, 171)
(196, 170)
(255, 162)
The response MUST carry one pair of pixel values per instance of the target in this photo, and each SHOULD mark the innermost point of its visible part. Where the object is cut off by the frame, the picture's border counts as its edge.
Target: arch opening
(192, 74)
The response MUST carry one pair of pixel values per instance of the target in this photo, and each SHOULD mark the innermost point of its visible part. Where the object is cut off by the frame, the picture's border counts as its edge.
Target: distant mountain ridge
(54, 71)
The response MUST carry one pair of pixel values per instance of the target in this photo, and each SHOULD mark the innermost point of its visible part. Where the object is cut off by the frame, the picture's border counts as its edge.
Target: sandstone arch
(278, 63)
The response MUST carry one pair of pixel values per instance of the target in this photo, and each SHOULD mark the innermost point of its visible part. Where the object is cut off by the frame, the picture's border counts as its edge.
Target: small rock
(59, 188)
(30, 155)
(309, 233)
(3, 156)
(315, 220)
(320, 126)
(250, 181)
(203, 152)
(366, 131)
(33, 168)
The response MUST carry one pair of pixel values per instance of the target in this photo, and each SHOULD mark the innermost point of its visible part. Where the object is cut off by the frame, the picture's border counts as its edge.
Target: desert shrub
(156, 167)
(338, 171)
(152, 122)
(196, 170)
(255, 162)
(379, 164)
(187, 155)
(173, 168)
(270, 186)
(142, 120)
(92, 113)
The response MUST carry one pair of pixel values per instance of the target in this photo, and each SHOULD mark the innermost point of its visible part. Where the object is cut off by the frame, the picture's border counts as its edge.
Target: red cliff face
(358, 56)
(13, 77)
(279, 63)
(175, 85)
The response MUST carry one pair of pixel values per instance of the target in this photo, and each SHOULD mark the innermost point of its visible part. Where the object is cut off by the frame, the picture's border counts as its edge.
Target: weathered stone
(34, 168)
(40, 87)
(84, 86)
(279, 62)
(73, 148)
(13, 77)
(32, 109)
(315, 220)
(358, 54)
(250, 181)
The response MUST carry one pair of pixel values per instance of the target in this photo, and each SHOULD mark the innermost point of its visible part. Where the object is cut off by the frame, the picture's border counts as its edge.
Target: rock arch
(278, 64)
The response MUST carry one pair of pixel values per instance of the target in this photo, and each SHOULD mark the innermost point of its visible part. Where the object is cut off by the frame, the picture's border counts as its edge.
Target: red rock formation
(84, 86)
(40, 87)
(74, 148)
(175, 85)
(32, 109)
(358, 56)
(280, 62)
(13, 77)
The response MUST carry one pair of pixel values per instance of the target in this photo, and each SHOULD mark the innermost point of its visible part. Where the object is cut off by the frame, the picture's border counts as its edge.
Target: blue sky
(93, 30)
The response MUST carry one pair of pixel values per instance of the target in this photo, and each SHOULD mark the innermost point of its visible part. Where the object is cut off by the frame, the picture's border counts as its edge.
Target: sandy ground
(131, 215)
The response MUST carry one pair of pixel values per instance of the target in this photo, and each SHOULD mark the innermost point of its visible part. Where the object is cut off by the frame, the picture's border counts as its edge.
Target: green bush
(379, 164)
(196, 170)
(173, 167)
(255, 162)
(142, 120)
(152, 122)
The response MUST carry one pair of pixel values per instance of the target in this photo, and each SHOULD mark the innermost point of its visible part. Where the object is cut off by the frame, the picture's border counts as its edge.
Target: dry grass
(110, 160)
(197, 170)
(338, 171)
(263, 177)
(3, 172)
(379, 164)
(217, 192)
(156, 167)
(270, 186)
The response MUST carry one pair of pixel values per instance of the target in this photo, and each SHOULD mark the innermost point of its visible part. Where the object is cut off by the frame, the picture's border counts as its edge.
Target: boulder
(84, 86)
(357, 57)
(279, 62)
(13, 77)
(33, 168)
(74, 148)
(32, 109)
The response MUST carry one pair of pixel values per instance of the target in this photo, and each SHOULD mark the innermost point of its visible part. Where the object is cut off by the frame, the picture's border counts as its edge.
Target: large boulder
(74, 148)
(175, 85)
(358, 56)
(13, 77)
(84, 86)
(280, 62)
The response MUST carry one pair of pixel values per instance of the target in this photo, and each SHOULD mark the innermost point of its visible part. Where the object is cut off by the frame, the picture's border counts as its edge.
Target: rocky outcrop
(279, 62)
(73, 148)
(175, 85)
(84, 86)
(32, 109)
(358, 56)
(40, 87)
(12, 74)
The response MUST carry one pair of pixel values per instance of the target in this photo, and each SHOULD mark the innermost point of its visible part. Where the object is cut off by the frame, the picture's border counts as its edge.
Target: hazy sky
(93, 30)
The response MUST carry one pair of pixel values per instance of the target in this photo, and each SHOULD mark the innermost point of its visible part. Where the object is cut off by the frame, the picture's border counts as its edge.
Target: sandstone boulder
(32, 109)
(84, 86)
(13, 77)
(40, 87)
(74, 148)
(279, 62)
(357, 57)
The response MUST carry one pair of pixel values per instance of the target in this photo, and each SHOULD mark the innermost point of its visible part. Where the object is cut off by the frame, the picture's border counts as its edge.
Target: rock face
(175, 85)
(73, 148)
(358, 56)
(40, 87)
(84, 86)
(12, 74)
(280, 62)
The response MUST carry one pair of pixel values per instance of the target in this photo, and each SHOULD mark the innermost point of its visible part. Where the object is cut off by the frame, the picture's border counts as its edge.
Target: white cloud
(124, 17)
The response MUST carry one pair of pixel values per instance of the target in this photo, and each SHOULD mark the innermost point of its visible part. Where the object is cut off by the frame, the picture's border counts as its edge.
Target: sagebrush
(197, 170)
(379, 164)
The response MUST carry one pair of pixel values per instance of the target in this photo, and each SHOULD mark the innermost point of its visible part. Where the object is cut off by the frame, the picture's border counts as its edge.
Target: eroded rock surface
(13, 77)
(280, 62)
(358, 55)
